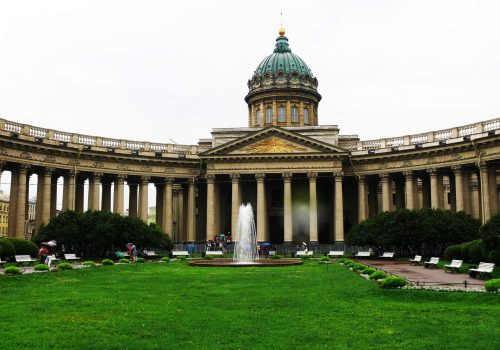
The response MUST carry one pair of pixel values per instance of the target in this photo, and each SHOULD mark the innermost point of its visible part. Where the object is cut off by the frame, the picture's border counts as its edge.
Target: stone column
(143, 198)
(261, 207)
(475, 198)
(47, 185)
(106, 196)
(288, 219)
(262, 114)
(65, 203)
(459, 187)
(132, 199)
(94, 189)
(275, 113)
(191, 214)
(313, 208)
(71, 189)
(410, 190)
(386, 191)
(14, 183)
(339, 208)
(160, 205)
(53, 197)
(119, 194)
(210, 206)
(79, 195)
(21, 201)
(288, 113)
(485, 191)
(492, 185)
(39, 202)
(434, 188)
(180, 201)
(235, 200)
(362, 198)
(167, 206)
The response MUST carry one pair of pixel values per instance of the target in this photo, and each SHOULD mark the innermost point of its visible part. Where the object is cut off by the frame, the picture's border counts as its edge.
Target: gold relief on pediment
(274, 144)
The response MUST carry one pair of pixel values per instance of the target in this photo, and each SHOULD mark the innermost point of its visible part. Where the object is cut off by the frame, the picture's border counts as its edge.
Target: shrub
(65, 266)
(368, 271)
(41, 267)
(89, 263)
(377, 275)
(24, 247)
(492, 285)
(494, 256)
(342, 260)
(165, 259)
(349, 262)
(325, 258)
(358, 267)
(140, 260)
(12, 270)
(490, 233)
(124, 261)
(473, 251)
(107, 262)
(276, 257)
(183, 258)
(392, 282)
(208, 257)
(305, 257)
(453, 252)
(8, 249)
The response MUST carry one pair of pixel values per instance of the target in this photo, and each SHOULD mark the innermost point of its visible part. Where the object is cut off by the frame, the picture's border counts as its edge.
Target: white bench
(417, 260)
(272, 252)
(149, 254)
(213, 252)
(304, 253)
(387, 255)
(51, 259)
(483, 268)
(24, 258)
(180, 253)
(362, 254)
(71, 257)
(336, 253)
(2, 262)
(454, 266)
(431, 263)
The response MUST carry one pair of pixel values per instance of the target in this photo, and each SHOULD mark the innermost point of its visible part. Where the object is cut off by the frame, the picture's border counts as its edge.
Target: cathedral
(305, 181)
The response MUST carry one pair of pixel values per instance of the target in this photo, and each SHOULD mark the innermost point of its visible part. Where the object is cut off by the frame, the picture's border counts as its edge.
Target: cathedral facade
(305, 181)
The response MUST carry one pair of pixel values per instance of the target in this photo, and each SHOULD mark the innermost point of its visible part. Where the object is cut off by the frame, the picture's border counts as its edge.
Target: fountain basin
(258, 263)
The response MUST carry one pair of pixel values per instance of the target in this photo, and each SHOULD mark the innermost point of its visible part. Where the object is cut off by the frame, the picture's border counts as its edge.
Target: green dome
(282, 60)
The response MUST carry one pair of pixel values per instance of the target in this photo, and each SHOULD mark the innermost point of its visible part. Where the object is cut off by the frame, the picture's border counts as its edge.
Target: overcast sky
(161, 70)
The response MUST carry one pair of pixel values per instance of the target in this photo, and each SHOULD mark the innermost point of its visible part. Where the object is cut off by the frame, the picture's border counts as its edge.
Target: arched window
(269, 115)
(281, 114)
(258, 116)
(306, 116)
(295, 114)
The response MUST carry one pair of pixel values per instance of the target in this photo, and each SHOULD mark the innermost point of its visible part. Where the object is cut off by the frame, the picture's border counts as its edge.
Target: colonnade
(106, 192)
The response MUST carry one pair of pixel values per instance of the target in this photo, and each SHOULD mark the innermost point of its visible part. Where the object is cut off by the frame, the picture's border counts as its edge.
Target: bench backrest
(303, 252)
(150, 253)
(336, 252)
(179, 252)
(213, 252)
(388, 255)
(456, 263)
(418, 258)
(23, 258)
(70, 256)
(486, 267)
(363, 254)
(434, 260)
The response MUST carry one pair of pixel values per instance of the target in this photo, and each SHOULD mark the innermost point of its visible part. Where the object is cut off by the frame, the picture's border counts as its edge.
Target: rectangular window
(306, 116)
(295, 115)
(257, 117)
(281, 114)
(269, 115)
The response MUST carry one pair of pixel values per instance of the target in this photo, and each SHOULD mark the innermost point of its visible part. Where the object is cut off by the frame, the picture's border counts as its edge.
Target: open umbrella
(265, 244)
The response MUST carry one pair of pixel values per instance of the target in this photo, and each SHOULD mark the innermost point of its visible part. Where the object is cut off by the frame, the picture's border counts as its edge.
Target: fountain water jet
(245, 250)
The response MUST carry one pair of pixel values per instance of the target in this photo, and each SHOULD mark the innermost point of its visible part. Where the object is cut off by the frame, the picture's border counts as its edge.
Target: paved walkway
(428, 277)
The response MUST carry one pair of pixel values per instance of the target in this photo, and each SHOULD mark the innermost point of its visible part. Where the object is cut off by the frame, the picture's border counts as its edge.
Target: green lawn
(174, 306)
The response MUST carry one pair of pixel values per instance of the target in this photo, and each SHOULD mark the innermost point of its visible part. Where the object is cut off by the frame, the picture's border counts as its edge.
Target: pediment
(273, 141)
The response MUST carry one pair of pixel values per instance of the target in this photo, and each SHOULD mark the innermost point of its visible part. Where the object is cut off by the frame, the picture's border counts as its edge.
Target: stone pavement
(428, 277)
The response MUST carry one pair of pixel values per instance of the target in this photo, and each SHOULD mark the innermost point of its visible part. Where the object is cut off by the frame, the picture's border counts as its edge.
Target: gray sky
(160, 70)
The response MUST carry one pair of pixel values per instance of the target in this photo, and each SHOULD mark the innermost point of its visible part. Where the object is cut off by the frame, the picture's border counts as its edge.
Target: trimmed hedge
(41, 267)
(392, 282)
(140, 260)
(494, 256)
(65, 266)
(276, 257)
(124, 261)
(454, 252)
(377, 275)
(107, 262)
(368, 271)
(12, 270)
(492, 285)
(89, 263)
(325, 258)
(165, 259)
(8, 248)
(24, 247)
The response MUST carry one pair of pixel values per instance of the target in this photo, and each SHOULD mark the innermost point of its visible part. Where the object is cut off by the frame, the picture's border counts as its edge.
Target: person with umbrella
(132, 251)
(43, 252)
(265, 247)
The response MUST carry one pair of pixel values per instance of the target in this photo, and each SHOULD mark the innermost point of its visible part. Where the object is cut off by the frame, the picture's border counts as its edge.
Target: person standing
(43, 252)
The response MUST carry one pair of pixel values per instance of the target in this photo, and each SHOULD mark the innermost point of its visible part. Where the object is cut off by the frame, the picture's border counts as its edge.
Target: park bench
(387, 255)
(362, 255)
(417, 260)
(335, 253)
(51, 259)
(2, 262)
(431, 263)
(149, 254)
(272, 252)
(71, 257)
(483, 269)
(176, 253)
(20, 259)
(454, 266)
(304, 253)
(213, 252)
(126, 254)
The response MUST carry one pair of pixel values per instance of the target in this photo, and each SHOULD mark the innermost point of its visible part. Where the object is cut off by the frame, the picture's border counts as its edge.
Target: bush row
(472, 252)
(382, 279)
(15, 246)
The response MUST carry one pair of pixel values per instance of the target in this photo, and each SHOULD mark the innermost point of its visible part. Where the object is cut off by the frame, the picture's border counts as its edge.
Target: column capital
(72, 173)
(23, 168)
(235, 178)
(260, 177)
(312, 176)
(97, 176)
(192, 181)
(145, 179)
(384, 177)
(48, 171)
(210, 178)
(432, 171)
(483, 166)
(408, 174)
(169, 180)
(287, 177)
(361, 178)
(457, 169)
(121, 177)
(338, 175)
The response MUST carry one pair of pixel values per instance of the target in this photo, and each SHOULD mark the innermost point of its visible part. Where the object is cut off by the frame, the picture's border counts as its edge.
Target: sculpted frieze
(98, 164)
(26, 155)
(50, 159)
(123, 167)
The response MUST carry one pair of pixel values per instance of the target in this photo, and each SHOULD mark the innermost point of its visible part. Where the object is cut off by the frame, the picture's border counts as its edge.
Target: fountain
(245, 250)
